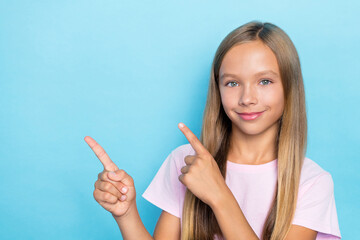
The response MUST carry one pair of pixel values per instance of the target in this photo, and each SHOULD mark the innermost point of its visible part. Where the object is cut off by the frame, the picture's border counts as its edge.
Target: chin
(251, 132)
(255, 130)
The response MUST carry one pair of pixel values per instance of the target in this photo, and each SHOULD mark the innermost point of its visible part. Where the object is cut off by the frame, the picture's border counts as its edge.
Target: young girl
(247, 177)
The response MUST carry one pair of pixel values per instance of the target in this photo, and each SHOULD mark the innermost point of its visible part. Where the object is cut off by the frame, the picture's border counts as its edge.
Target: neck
(253, 149)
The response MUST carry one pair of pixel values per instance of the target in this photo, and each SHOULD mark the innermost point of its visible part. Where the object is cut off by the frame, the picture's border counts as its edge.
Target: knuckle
(185, 179)
(101, 175)
(191, 159)
(112, 199)
(199, 161)
(182, 178)
(107, 186)
(101, 153)
(121, 172)
(131, 180)
(95, 194)
(95, 184)
(107, 196)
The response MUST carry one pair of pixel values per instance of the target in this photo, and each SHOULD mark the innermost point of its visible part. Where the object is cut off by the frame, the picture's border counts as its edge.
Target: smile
(250, 116)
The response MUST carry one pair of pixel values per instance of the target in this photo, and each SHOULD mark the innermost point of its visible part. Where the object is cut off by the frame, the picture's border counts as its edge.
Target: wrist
(132, 210)
(222, 199)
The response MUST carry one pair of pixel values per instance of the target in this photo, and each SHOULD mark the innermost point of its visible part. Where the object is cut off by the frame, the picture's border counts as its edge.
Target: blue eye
(231, 84)
(267, 81)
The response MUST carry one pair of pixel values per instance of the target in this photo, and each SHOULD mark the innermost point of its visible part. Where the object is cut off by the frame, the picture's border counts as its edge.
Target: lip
(250, 116)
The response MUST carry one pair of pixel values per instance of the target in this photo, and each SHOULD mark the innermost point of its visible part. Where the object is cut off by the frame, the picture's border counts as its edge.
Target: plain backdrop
(126, 73)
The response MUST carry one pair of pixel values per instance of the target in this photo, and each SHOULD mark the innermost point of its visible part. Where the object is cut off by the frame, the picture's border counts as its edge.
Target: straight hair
(199, 221)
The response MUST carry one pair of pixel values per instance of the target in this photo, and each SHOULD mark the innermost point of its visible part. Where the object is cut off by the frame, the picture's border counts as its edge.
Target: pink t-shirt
(254, 187)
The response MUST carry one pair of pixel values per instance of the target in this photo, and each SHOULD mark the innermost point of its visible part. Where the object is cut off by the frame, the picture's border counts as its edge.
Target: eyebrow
(256, 75)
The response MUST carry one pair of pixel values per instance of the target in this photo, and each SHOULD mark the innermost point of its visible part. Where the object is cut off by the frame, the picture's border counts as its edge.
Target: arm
(202, 177)
(228, 214)
(115, 192)
(168, 227)
(131, 226)
(299, 232)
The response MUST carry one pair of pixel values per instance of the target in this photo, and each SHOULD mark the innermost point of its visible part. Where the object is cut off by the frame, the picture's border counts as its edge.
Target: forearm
(231, 219)
(131, 226)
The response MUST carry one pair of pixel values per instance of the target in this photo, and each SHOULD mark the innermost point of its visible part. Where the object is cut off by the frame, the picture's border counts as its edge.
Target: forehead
(248, 59)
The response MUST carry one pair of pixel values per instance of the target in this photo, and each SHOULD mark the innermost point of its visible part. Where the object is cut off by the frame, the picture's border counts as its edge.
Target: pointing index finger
(193, 140)
(101, 154)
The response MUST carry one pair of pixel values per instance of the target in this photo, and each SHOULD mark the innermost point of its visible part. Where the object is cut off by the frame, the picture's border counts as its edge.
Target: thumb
(120, 176)
(113, 176)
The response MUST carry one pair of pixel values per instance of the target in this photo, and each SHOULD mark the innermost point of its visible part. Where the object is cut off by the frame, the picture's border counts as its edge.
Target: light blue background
(126, 73)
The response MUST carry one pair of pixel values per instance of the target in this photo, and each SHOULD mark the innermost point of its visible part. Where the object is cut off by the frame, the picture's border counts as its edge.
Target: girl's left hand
(202, 175)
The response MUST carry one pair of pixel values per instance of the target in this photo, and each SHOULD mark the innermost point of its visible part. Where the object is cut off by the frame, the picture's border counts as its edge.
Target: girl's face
(249, 81)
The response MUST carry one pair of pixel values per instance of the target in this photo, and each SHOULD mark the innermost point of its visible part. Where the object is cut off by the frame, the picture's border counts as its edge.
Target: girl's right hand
(114, 188)
(116, 193)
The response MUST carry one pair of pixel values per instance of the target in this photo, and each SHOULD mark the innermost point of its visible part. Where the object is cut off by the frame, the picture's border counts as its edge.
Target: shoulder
(311, 171)
(316, 207)
(183, 150)
(178, 154)
(313, 176)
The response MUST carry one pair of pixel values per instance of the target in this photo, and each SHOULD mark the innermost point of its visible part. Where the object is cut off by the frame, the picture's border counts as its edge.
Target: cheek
(273, 99)
(227, 98)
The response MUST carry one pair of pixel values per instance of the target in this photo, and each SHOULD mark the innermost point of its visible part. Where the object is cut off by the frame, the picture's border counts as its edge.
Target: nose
(248, 96)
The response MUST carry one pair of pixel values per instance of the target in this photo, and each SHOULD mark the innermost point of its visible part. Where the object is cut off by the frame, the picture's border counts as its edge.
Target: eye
(231, 84)
(265, 81)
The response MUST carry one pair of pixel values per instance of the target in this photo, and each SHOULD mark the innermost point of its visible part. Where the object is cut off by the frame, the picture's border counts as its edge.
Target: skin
(252, 142)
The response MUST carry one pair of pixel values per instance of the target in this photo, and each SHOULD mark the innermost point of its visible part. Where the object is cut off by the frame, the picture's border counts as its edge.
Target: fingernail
(124, 189)
(113, 174)
(123, 197)
(181, 125)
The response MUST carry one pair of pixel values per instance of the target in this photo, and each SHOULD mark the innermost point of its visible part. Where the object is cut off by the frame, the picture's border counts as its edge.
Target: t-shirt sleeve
(164, 189)
(316, 208)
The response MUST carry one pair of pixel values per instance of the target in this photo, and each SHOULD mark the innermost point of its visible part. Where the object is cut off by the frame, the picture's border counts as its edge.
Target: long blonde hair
(199, 222)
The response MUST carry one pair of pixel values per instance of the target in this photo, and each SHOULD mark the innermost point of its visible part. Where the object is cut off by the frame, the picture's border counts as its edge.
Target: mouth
(250, 116)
